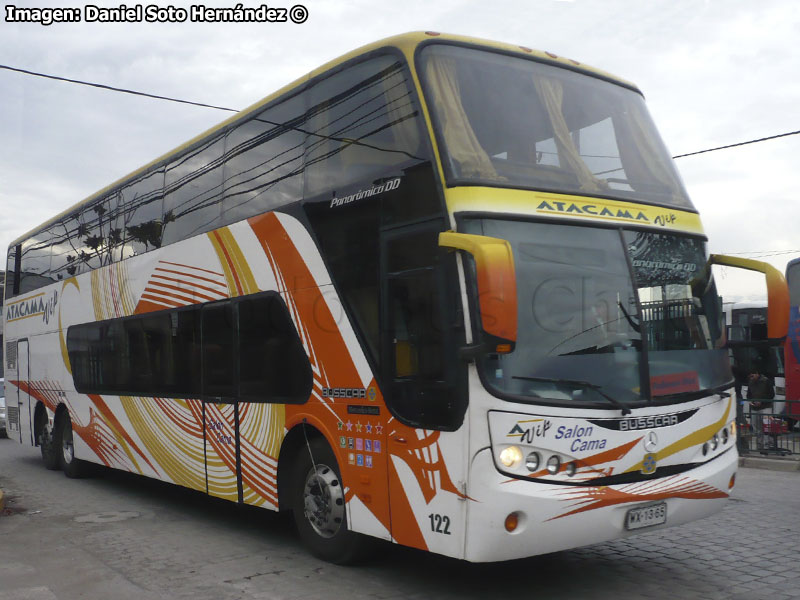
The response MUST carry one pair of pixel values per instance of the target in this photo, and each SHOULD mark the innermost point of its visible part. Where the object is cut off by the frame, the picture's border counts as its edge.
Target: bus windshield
(506, 121)
(607, 315)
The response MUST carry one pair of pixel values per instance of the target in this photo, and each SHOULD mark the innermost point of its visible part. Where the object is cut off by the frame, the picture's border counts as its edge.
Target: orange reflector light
(732, 482)
(503, 348)
(512, 521)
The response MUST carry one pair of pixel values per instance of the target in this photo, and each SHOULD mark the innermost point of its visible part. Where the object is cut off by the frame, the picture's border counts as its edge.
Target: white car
(3, 411)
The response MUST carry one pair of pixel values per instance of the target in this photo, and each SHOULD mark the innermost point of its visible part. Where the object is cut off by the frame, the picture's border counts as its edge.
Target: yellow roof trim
(564, 206)
(406, 43)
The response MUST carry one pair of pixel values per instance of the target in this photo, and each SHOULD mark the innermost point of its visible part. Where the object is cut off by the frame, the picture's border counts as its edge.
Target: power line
(764, 253)
(764, 139)
(115, 89)
(204, 105)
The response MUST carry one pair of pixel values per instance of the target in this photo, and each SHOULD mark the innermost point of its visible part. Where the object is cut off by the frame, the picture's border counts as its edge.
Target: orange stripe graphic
(671, 487)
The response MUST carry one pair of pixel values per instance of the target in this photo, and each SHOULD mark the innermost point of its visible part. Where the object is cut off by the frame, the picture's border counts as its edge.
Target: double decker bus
(443, 292)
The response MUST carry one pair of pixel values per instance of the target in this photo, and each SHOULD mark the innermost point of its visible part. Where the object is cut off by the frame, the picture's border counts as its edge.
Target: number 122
(440, 523)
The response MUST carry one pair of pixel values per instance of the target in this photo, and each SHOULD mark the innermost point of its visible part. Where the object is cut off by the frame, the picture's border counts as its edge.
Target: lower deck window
(246, 348)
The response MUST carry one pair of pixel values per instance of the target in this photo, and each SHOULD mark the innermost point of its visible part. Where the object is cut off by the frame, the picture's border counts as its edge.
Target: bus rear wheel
(71, 466)
(318, 504)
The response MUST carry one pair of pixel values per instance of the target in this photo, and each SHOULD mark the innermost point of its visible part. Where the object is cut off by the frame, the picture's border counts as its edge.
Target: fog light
(512, 520)
(553, 464)
(714, 442)
(725, 436)
(570, 469)
(533, 461)
(705, 448)
(510, 456)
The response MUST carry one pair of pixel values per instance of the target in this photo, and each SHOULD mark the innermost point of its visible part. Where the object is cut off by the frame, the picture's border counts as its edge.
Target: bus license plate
(646, 516)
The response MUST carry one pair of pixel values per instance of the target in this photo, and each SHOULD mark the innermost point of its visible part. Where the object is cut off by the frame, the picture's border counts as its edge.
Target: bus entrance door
(23, 393)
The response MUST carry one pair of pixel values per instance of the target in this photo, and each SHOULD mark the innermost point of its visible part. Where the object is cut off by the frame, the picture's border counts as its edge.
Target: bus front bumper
(558, 517)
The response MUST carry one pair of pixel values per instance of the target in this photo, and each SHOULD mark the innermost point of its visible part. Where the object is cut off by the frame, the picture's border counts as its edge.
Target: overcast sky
(714, 72)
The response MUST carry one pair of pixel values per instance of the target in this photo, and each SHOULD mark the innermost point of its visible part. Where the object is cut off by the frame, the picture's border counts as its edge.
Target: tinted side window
(361, 123)
(94, 237)
(142, 213)
(264, 161)
(249, 348)
(146, 343)
(349, 239)
(219, 375)
(272, 362)
(192, 190)
(65, 261)
(184, 377)
(35, 269)
(86, 347)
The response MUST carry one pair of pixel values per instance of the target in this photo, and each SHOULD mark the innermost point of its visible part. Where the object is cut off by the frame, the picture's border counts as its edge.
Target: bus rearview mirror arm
(777, 291)
(497, 291)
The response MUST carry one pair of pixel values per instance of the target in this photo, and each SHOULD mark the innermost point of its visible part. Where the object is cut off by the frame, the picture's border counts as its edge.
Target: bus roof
(406, 42)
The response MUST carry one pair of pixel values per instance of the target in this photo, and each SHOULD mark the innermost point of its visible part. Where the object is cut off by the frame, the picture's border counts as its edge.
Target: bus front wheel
(318, 503)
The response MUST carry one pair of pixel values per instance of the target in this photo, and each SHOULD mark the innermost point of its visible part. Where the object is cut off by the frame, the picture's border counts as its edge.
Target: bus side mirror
(497, 287)
(777, 292)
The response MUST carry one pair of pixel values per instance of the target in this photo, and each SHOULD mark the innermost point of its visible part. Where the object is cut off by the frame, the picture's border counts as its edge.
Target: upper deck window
(513, 122)
(361, 123)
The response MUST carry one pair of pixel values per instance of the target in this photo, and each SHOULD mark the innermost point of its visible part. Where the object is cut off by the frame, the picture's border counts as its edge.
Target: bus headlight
(553, 464)
(532, 461)
(510, 456)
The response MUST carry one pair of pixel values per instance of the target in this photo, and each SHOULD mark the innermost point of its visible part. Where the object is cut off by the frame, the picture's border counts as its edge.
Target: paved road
(118, 536)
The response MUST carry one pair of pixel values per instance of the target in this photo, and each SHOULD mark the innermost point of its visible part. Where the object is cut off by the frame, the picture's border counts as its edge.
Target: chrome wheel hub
(69, 452)
(46, 435)
(323, 501)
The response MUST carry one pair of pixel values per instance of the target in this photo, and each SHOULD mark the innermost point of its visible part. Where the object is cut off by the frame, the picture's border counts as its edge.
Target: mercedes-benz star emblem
(650, 441)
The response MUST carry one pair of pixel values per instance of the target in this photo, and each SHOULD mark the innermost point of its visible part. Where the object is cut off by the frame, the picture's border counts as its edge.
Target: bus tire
(72, 467)
(318, 504)
(49, 444)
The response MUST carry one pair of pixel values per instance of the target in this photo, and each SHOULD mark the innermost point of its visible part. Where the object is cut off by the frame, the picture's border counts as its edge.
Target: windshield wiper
(592, 386)
(635, 326)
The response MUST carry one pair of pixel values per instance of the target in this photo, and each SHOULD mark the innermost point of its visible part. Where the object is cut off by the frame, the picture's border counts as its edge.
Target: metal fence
(772, 429)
